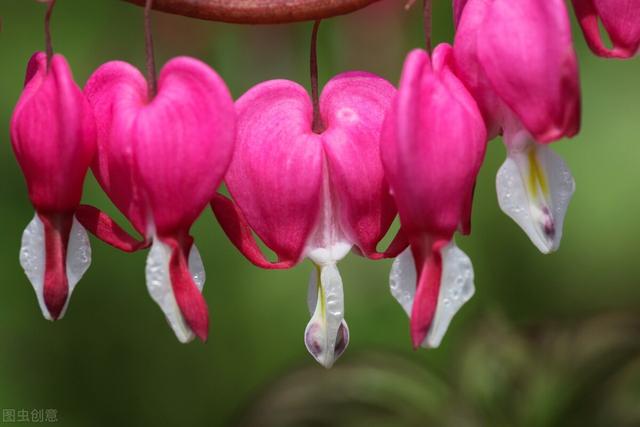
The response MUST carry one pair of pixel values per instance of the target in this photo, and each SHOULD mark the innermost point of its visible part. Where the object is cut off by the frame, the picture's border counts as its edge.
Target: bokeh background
(546, 341)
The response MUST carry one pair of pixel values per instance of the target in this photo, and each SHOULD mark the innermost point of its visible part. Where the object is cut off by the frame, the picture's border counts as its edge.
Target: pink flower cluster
(310, 192)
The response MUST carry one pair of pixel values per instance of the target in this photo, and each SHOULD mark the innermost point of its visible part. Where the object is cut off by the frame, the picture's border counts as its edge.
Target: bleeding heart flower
(517, 60)
(621, 20)
(433, 145)
(160, 161)
(309, 194)
(53, 138)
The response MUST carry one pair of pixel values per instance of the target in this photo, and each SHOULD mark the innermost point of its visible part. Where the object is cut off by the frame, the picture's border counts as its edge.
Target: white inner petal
(32, 260)
(78, 258)
(33, 256)
(456, 288)
(534, 188)
(159, 285)
(326, 334)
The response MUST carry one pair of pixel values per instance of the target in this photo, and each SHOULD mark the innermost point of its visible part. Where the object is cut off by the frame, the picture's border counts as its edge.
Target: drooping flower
(518, 61)
(433, 144)
(53, 138)
(160, 160)
(306, 194)
(621, 20)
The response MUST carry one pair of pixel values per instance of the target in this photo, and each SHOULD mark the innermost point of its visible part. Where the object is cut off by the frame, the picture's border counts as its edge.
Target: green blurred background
(547, 340)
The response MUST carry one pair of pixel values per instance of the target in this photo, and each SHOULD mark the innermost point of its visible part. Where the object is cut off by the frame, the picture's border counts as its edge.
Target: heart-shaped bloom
(160, 161)
(307, 194)
(518, 61)
(433, 145)
(53, 138)
(621, 20)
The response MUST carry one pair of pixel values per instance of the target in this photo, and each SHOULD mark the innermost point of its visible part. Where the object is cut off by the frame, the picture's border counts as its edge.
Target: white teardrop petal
(312, 291)
(196, 267)
(561, 187)
(32, 260)
(402, 280)
(326, 334)
(534, 188)
(159, 285)
(78, 258)
(456, 288)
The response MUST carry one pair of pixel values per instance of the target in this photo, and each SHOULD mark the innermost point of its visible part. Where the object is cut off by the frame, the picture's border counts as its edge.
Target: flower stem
(427, 24)
(318, 126)
(152, 85)
(47, 32)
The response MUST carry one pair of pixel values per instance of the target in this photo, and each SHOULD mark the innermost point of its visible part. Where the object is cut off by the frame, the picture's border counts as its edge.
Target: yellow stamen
(537, 177)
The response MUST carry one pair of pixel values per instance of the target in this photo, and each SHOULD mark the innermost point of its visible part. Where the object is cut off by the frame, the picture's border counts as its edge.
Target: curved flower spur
(161, 156)
(433, 145)
(311, 194)
(53, 138)
(527, 87)
(620, 19)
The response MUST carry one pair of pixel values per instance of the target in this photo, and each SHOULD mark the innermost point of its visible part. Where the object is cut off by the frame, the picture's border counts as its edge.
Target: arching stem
(47, 32)
(318, 126)
(258, 11)
(152, 85)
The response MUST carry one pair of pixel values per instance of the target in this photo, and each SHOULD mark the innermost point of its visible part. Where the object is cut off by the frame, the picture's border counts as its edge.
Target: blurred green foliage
(114, 361)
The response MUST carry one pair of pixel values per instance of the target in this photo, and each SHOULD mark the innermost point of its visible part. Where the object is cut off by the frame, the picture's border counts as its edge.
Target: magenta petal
(106, 229)
(621, 20)
(458, 7)
(183, 142)
(53, 135)
(275, 176)
(353, 106)
(188, 297)
(534, 69)
(468, 67)
(237, 229)
(116, 91)
(171, 152)
(57, 228)
(428, 259)
(433, 146)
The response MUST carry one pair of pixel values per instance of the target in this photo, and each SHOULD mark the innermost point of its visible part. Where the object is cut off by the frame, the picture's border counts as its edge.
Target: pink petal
(106, 229)
(238, 230)
(182, 142)
(621, 20)
(56, 238)
(433, 146)
(428, 258)
(468, 68)
(458, 8)
(526, 50)
(116, 91)
(53, 135)
(188, 297)
(353, 107)
(275, 176)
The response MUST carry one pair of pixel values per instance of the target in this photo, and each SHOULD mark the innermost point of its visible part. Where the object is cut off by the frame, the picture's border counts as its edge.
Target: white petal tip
(534, 188)
(456, 288)
(327, 334)
(160, 288)
(33, 256)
